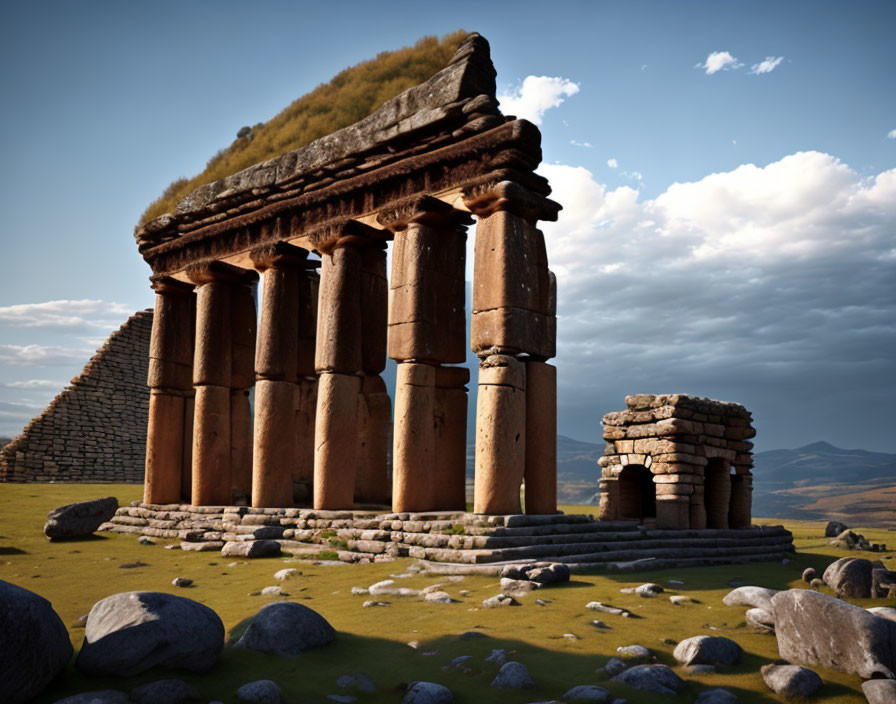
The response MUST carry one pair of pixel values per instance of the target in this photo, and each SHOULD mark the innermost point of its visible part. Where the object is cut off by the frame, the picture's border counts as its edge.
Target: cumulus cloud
(612, 163)
(767, 66)
(719, 61)
(891, 134)
(536, 95)
(575, 143)
(771, 285)
(43, 355)
(35, 384)
(64, 314)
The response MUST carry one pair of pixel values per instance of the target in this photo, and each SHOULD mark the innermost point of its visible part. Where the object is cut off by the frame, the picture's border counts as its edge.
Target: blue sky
(730, 233)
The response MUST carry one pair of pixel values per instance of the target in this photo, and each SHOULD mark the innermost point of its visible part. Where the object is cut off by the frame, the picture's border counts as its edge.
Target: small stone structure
(414, 172)
(95, 429)
(677, 461)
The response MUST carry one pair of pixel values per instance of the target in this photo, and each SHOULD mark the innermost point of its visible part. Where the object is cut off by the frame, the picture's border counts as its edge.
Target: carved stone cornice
(488, 198)
(220, 272)
(422, 209)
(280, 254)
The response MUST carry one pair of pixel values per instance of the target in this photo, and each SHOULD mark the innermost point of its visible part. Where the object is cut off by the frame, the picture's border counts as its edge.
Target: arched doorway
(717, 492)
(637, 493)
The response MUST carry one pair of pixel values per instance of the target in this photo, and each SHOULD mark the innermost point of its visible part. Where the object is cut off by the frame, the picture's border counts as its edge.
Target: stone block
(276, 355)
(374, 310)
(240, 445)
(309, 285)
(335, 454)
(413, 453)
(211, 483)
(541, 438)
(275, 443)
(243, 326)
(213, 354)
(338, 347)
(450, 431)
(374, 416)
(513, 331)
(672, 513)
(164, 448)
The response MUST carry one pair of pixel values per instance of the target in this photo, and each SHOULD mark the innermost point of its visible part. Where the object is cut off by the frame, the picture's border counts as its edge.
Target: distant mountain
(4, 440)
(821, 463)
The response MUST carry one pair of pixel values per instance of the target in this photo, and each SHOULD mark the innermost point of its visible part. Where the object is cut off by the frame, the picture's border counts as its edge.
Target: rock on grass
(791, 681)
(81, 519)
(708, 650)
(513, 675)
(260, 692)
(427, 693)
(286, 628)
(656, 679)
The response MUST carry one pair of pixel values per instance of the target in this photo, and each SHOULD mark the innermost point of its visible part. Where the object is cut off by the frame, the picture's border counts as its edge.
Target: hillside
(350, 96)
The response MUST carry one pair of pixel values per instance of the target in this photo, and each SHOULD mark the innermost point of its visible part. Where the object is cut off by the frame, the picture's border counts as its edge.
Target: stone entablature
(679, 461)
(413, 172)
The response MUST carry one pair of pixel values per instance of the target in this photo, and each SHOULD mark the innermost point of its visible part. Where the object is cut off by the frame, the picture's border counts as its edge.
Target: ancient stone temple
(678, 461)
(314, 225)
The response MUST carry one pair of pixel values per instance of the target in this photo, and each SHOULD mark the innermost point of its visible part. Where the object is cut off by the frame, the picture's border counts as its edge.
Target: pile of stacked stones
(686, 446)
(95, 429)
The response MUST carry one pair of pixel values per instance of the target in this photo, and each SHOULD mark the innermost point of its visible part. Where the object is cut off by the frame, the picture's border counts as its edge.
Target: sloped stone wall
(95, 429)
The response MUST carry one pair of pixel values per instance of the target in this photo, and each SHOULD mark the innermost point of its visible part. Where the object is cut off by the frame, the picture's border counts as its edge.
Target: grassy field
(74, 575)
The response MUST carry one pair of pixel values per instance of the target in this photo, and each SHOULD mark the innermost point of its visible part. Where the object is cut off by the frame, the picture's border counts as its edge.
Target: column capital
(488, 198)
(424, 210)
(167, 284)
(281, 255)
(219, 272)
(346, 233)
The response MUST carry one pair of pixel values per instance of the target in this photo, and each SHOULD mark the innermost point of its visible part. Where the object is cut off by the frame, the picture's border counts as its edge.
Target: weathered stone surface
(276, 440)
(414, 441)
(288, 629)
(211, 470)
(541, 438)
(34, 645)
(760, 619)
(427, 693)
(754, 597)
(716, 696)
(128, 633)
(513, 675)
(708, 650)
(791, 681)
(80, 519)
(251, 548)
(260, 692)
(656, 679)
(587, 693)
(834, 528)
(816, 629)
(339, 321)
(879, 691)
(499, 600)
(850, 577)
(166, 692)
(335, 457)
(102, 696)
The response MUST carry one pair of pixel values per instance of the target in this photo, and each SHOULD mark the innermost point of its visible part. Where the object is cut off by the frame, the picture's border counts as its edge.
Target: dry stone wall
(95, 429)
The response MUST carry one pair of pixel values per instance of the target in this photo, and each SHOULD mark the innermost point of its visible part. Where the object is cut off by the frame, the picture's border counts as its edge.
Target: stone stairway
(452, 541)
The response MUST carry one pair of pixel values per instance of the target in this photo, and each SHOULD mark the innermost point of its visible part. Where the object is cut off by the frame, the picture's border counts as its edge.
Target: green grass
(74, 575)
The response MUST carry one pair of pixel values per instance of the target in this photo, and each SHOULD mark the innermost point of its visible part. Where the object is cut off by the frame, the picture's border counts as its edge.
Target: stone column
(697, 509)
(339, 362)
(303, 469)
(223, 330)
(717, 493)
(450, 427)
(277, 390)
(741, 504)
(170, 380)
(242, 378)
(513, 315)
(427, 329)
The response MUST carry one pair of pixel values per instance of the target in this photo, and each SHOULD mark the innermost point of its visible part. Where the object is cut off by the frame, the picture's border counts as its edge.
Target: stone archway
(637, 493)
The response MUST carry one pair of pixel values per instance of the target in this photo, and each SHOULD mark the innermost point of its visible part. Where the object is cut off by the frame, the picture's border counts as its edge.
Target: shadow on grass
(93, 538)
(312, 676)
(12, 551)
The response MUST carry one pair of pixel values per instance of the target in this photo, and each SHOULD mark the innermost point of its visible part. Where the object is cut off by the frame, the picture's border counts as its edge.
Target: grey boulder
(128, 633)
(716, 696)
(791, 681)
(102, 696)
(587, 693)
(754, 597)
(656, 679)
(427, 693)
(816, 629)
(260, 692)
(850, 577)
(708, 650)
(761, 620)
(34, 645)
(513, 675)
(286, 628)
(880, 691)
(81, 519)
(166, 692)
(834, 528)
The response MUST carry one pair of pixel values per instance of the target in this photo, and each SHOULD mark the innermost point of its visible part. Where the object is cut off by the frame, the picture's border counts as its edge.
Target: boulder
(809, 574)
(648, 590)
(551, 574)
(816, 629)
(260, 692)
(81, 519)
(513, 675)
(754, 597)
(887, 612)
(834, 528)
(761, 620)
(850, 577)
(251, 548)
(880, 691)
(791, 681)
(166, 692)
(883, 583)
(34, 645)
(286, 628)
(128, 633)
(499, 600)
(708, 650)
(587, 693)
(427, 693)
(614, 666)
(656, 679)
(102, 696)
(716, 696)
(638, 652)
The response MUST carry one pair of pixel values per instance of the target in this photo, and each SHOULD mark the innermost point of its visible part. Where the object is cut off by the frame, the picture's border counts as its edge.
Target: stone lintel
(169, 285)
(486, 199)
(281, 254)
(423, 209)
(208, 272)
(346, 233)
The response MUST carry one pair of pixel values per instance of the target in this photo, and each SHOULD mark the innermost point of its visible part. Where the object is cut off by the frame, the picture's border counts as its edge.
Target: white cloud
(767, 66)
(64, 314)
(35, 384)
(42, 355)
(536, 95)
(634, 175)
(891, 134)
(612, 163)
(719, 61)
(587, 145)
(775, 277)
